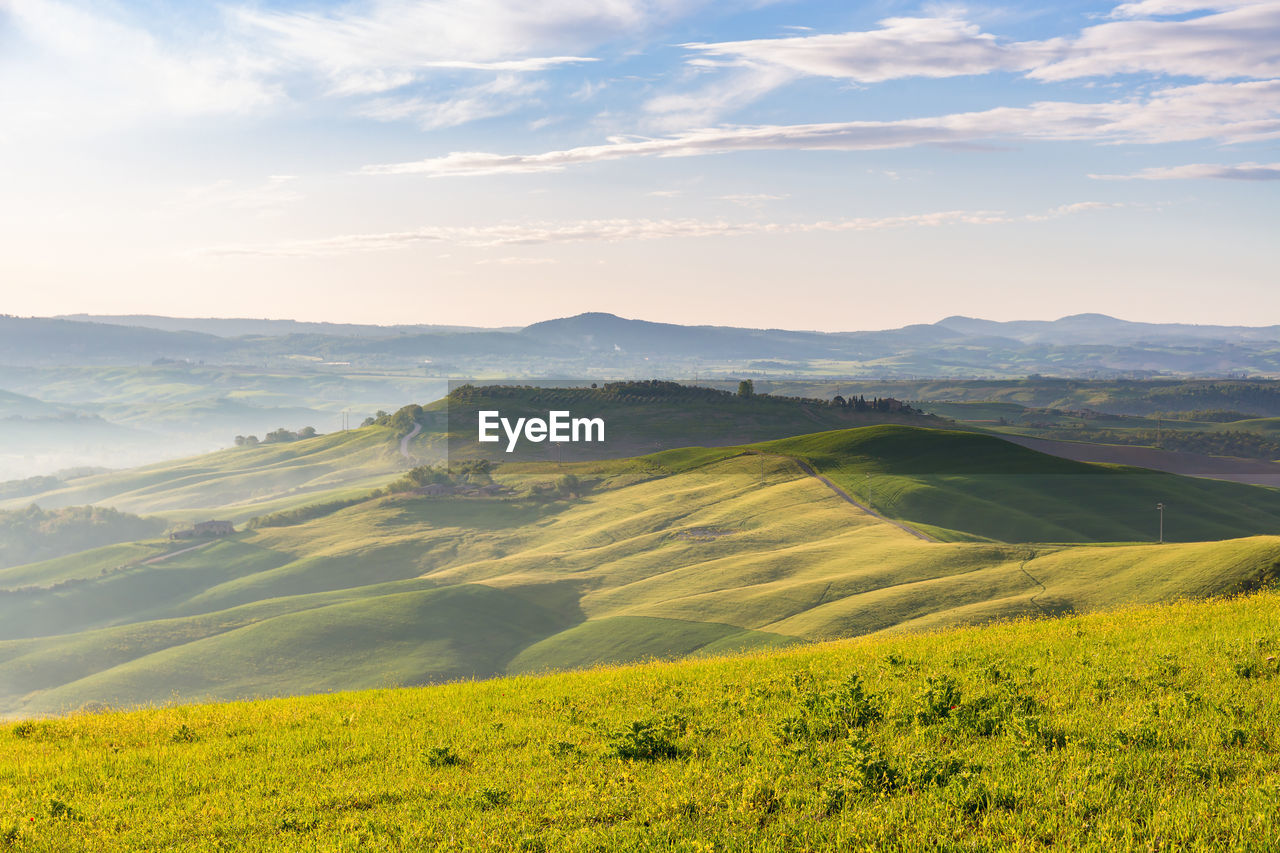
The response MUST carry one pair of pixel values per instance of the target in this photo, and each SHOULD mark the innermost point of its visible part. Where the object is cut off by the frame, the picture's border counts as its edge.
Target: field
(683, 552)
(1141, 729)
(239, 482)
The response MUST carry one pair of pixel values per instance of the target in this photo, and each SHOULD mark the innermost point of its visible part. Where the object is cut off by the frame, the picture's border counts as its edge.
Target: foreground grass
(1147, 728)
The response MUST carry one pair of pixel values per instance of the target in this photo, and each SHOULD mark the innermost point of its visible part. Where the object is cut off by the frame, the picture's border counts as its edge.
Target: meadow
(1143, 728)
(683, 552)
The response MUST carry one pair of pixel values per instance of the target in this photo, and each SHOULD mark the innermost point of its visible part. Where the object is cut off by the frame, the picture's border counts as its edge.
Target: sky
(813, 165)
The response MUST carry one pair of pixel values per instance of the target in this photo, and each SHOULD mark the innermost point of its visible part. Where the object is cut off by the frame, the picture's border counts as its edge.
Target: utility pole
(1160, 507)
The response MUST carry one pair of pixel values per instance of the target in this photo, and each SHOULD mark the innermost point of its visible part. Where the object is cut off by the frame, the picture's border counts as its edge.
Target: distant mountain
(1100, 328)
(1083, 345)
(45, 340)
(227, 327)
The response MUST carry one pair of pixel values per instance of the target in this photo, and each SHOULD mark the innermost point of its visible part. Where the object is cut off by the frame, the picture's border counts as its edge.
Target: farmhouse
(205, 528)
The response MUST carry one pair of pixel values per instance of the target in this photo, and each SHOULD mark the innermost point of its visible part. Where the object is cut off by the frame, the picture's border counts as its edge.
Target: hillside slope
(1148, 728)
(969, 484)
(239, 482)
(672, 554)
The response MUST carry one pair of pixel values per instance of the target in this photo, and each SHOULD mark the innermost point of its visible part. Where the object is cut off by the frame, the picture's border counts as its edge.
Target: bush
(650, 740)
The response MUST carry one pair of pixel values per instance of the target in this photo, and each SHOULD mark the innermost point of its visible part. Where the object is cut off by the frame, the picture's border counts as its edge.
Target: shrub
(650, 740)
(832, 714)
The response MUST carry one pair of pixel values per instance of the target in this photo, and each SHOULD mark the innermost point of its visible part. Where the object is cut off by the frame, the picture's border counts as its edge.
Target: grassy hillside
(1147, 728)
(642, 417)
(242, 481)
(247, 481)
(683, 552)
(980, 485)
(31, 534)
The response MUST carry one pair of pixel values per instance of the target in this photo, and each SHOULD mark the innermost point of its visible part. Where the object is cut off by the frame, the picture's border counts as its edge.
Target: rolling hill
(246, 481)
(681, 552)
(1146, 728)
(1094, 345)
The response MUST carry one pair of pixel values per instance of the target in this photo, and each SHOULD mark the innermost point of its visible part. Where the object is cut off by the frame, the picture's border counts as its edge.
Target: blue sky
(815, 165)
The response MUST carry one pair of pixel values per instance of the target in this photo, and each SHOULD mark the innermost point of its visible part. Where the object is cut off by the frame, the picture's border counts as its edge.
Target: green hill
(1146, 728)
(240, 482)
(31, 534)
(246, 481)
(682, 552)
(968, 484)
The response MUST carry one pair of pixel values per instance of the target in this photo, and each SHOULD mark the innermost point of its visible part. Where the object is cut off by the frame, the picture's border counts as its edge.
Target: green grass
(685, 551)
(1140, 729)
(984, 486)
(242, 482)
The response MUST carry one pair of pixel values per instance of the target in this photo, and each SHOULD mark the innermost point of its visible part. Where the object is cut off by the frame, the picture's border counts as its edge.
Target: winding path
(404, 442)
(163, 557)
(808, 469)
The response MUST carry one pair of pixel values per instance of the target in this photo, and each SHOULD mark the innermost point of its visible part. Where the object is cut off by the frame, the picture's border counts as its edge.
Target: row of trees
(279, 436)
(876, 404)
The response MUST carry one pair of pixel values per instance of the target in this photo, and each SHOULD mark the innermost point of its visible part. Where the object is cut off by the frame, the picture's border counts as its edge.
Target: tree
(307, 432)
(746, 388)
(569, 486)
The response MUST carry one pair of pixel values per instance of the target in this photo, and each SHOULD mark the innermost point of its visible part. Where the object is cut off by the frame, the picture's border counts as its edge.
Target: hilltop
(1144, 728)
(1095, 345)
(242, 482)
(685, 551)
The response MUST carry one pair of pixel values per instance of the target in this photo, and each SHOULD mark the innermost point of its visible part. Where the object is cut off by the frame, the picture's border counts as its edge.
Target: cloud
(1236, 40)
(617, 230)
(500, 96)
(378, 45)
(87, 67)
(1224, 112)
(99, 63)
(902, 47)
(1196, 171)
(752, 200)
(724, 94)
(1156, 8)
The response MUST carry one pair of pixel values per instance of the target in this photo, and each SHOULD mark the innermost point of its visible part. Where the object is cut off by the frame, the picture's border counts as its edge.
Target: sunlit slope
(681, 553)
(984, 486)
(1145, 728)
(243, 481)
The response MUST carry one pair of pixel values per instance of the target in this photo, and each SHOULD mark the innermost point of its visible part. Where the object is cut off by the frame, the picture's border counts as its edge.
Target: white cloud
(616, 230)
(1157, 8)
(497, 97)
(753, 200)
(1197, 171)
(1224, 112)
(1235, 40)
(724, 94)
(87, 67)
(901, 47)
(378, 45)
(1233, 43)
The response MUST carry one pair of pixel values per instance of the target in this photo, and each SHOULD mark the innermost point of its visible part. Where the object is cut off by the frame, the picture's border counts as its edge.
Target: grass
(1139, 729)
(983, 486)
(683, 552)
(242, 482)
